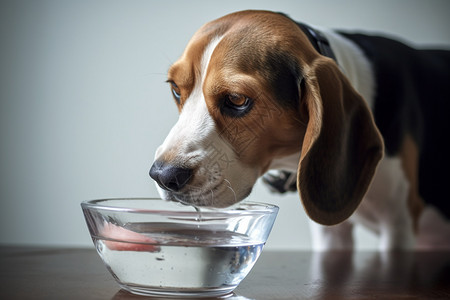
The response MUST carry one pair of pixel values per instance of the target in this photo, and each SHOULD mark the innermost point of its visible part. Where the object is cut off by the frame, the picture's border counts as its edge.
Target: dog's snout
(170, 177)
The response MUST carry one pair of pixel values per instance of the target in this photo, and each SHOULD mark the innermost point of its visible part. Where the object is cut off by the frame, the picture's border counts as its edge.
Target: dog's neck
(318, 40)
(354, 64)
(288, 163)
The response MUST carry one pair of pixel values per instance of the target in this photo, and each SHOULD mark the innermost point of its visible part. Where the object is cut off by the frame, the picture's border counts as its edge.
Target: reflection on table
(49, 273)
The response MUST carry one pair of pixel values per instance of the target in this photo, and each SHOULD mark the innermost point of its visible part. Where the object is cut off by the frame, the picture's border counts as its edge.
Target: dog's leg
(280, 181)
(337, 237)
(397, 232)
(433, 231)
(387, 201)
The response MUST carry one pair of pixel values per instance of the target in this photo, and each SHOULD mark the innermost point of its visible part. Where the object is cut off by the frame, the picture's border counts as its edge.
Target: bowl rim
(263, 208)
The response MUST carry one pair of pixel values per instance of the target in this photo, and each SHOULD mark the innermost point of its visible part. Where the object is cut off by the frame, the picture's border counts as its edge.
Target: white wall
(84, 103)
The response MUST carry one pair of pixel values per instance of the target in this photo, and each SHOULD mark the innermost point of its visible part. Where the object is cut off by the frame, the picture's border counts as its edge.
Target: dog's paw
(280, 181)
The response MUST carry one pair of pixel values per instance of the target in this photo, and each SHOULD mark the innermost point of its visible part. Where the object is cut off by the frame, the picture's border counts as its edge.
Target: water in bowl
(182, 260)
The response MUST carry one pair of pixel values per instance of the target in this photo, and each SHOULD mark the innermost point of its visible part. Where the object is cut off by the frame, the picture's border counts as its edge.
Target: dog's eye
(237, 100)
(236, 105)
(175, 91)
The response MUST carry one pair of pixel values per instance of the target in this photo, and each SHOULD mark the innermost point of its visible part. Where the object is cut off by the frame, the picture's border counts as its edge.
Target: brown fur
(410, 162)
(341, 148)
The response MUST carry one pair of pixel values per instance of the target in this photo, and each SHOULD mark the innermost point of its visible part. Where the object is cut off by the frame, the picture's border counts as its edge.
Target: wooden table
(46, 273)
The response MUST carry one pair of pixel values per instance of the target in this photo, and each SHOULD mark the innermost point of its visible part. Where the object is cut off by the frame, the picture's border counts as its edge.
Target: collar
(318, 40)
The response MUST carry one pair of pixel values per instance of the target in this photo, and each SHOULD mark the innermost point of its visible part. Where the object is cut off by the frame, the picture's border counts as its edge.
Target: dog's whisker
(300, 121)
(234, 193)
(231, 188)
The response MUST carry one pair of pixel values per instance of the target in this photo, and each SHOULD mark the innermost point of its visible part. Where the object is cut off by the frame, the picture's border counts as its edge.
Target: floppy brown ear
(341, 147)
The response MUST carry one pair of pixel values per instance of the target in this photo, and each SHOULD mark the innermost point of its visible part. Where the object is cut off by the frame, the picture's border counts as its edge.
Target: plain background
(84, 103)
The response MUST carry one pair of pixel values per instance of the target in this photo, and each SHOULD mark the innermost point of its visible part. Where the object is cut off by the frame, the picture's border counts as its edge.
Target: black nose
(169, 177)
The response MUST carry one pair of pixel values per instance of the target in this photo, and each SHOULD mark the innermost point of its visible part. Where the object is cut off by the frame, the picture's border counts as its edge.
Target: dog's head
(250, 88)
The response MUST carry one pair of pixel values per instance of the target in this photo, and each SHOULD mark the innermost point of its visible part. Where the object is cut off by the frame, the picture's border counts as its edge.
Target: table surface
(56, 273)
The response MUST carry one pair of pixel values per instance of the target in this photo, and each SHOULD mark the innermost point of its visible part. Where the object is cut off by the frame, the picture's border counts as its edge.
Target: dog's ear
(341, 147)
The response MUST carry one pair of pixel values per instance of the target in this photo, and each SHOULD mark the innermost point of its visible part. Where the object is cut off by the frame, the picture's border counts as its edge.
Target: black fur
(413, 97)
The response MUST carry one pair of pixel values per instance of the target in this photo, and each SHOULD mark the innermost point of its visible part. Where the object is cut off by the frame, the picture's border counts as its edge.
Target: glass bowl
(162, 248)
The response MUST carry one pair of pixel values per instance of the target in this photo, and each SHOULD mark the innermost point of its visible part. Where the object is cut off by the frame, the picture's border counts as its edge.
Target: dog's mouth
(219, 195)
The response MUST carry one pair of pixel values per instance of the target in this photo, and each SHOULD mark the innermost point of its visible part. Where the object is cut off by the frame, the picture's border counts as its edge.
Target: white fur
(288, 163)
(384, 211)
(353, 64)
(199, 146)
(434, 230)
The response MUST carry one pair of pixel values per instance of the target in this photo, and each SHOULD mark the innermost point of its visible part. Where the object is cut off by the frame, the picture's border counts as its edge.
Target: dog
(356, 122)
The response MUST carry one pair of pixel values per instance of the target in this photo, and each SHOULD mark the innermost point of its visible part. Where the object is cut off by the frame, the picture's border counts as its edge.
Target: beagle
(358, 121)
